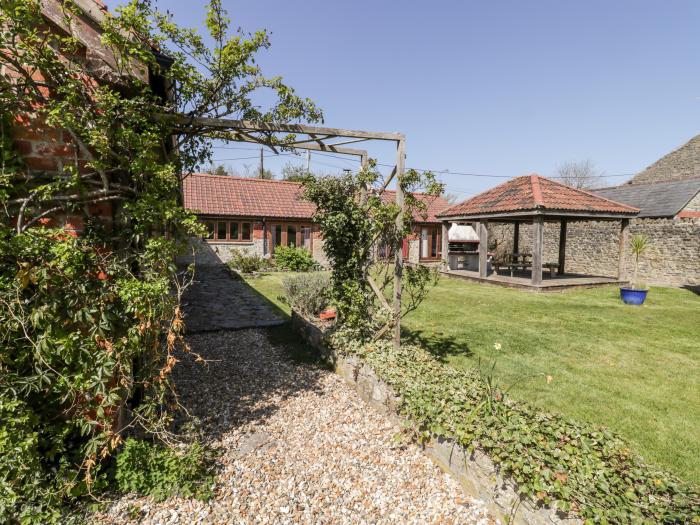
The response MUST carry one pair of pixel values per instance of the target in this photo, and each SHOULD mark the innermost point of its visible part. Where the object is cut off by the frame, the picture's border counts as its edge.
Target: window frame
(239, 230)
(283, 239)
(433, 233)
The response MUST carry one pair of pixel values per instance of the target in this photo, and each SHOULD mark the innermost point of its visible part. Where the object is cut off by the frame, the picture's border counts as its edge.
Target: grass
(633, 369)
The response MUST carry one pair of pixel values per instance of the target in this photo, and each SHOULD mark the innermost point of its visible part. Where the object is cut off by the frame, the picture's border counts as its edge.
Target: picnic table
(522, 261)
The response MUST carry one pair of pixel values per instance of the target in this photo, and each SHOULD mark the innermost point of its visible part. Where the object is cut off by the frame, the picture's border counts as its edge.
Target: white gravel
(296, 445)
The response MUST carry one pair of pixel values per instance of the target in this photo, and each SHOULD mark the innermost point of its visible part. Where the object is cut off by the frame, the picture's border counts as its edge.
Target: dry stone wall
(592, 248)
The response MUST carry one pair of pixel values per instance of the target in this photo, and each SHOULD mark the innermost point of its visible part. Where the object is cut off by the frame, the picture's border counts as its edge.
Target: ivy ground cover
(635, 370)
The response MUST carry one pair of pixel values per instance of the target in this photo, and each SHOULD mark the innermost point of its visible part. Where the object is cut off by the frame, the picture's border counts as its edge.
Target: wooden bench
(521, 261)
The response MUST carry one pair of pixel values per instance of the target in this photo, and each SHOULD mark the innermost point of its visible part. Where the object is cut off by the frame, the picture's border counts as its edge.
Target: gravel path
(296, 445)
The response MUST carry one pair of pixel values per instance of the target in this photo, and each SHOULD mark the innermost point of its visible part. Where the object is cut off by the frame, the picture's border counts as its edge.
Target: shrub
(159, 471)
(295, 259)
(307, 294)
(245, 263)
(583, 469)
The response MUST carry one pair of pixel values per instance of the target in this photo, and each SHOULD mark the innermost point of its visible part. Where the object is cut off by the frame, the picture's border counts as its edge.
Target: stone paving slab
(220, 300)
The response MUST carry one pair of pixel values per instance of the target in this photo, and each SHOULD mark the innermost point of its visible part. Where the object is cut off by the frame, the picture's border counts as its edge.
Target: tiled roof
(660, 199)
(245, 197)
(533, 192)
(434, 205)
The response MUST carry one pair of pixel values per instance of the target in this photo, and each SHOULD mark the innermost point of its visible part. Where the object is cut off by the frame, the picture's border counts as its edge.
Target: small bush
(160, 472)
(307, 294)
(245, 263)
(295, 259)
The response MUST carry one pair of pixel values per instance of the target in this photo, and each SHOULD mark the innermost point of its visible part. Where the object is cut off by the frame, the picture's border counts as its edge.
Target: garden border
(475, 472)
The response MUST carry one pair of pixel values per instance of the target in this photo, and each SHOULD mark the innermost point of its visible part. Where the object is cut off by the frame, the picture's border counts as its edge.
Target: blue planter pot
(632, 296)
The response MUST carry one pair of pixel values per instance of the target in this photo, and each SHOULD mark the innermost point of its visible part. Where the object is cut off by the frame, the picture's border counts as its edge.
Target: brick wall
(592, 248)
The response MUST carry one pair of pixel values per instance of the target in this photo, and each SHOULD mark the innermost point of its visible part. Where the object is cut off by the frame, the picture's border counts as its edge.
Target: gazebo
(533, 199)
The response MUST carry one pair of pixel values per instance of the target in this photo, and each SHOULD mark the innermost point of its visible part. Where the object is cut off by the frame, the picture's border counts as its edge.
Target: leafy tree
(87, 322)
(294, 173)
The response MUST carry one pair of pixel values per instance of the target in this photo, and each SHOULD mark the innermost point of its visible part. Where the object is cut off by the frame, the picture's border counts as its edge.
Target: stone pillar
(562, 247)
(622, 258)
(537, 248)
(516, 237)
(483, 248)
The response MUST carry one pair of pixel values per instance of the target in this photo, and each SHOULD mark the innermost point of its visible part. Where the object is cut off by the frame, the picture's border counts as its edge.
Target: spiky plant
(638, 244)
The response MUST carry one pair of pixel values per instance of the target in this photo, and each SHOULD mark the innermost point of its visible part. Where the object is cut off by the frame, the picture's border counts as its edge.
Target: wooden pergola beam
(183, 123)
(243, 130)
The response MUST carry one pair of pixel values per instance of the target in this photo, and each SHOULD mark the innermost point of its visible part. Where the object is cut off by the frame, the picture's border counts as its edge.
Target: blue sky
(503, 87)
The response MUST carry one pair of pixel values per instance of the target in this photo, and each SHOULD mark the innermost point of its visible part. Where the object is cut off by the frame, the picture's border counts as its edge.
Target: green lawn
(634, 369)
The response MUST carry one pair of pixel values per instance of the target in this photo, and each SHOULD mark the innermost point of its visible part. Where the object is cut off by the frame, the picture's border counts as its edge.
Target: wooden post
(483, 248)
(562, 247)
(262, 165)
(622, 260)
(516, 238)
(398, 252)
(445, 245)
(537, 247)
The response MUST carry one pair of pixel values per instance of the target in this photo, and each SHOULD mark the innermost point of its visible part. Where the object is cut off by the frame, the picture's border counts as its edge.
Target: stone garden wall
(476, 473)
(672, 259)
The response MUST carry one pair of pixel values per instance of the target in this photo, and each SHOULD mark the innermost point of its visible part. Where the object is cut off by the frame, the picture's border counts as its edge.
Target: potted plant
(636, 293)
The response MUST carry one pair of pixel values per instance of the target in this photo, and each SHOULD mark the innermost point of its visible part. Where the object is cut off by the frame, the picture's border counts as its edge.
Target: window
(430, 242)
(221, 231)
(245, 229)
(306, 235)
(210, 230)
(277, 235)
(232, 231)
(291, 235)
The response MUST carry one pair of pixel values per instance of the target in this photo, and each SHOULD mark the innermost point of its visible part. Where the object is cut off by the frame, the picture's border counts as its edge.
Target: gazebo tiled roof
(539, 195)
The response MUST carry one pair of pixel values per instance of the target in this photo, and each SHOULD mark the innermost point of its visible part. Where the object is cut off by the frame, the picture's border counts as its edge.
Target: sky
(502, 88)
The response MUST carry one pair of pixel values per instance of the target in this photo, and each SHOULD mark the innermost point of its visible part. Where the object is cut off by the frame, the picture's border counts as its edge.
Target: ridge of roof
(592, 194)
(249, 179)
(536, 190)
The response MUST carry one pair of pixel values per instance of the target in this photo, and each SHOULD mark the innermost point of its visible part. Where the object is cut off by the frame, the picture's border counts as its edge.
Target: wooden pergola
(534, 199)
(315, 138)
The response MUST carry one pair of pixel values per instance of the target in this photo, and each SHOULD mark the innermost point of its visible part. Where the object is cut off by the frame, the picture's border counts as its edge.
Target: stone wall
(592, 248)
(694, 204)
(682, 163)
(476, 473)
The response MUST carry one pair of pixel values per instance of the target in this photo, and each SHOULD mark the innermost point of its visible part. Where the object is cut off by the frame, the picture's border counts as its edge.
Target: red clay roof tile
(534, 192)
(247, 197)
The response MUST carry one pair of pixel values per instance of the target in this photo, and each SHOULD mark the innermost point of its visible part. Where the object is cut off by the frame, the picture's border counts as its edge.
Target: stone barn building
(668, 196)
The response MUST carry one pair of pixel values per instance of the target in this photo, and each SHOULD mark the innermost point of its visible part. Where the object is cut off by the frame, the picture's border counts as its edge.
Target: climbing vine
(90, 324)
(583, 470)
(355, 218)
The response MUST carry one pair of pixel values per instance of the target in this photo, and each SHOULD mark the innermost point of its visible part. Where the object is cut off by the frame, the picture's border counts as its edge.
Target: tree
(219, 169)
(77, 313)
(294, 173)
(581, 175)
